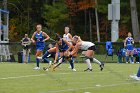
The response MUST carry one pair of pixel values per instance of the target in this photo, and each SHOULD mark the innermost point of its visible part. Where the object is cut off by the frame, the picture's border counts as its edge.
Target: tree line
(79, 15)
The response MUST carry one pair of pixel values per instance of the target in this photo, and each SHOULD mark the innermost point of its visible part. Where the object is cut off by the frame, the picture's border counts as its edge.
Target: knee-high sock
(73, 59)
(127, 58)
(60, 60)
(97, 61)
(71, 64)
(45, 55)
(88, 63)
(132, 59)
(37, 62)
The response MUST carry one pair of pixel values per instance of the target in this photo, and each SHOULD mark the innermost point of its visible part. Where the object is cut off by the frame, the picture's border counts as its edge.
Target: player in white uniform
(67, 36)
(89, 47)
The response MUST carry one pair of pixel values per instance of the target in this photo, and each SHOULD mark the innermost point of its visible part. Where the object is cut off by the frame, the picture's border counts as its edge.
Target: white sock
(97, 61)
(60, 60)
(88, 63)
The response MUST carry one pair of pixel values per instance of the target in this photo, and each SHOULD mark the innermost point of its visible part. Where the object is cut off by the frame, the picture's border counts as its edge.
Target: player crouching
(63, 47)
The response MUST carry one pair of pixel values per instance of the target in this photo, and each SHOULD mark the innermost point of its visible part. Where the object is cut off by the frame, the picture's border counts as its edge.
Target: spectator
(1, 30)
(128, 44)
(26, 49)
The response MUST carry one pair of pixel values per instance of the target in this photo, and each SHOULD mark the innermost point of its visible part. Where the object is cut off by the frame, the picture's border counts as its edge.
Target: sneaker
(73, 69)
(88, 69)
(36, 68)
(45, 69)
(126, 62)
(102, 66)
(40, 58)
(132, 62)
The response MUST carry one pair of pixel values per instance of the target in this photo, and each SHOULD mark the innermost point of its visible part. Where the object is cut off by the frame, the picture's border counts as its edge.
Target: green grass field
(21, 78)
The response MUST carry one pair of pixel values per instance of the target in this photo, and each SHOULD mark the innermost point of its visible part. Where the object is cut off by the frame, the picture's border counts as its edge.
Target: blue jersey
(39, 41)
(129, 44)
(63, 47)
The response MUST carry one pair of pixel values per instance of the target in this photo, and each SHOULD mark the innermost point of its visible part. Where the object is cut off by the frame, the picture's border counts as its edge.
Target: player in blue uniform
(128, 44)
(39, 37)
(64, 47)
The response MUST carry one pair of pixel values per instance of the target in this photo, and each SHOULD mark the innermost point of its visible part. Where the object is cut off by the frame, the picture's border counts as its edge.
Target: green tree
(56, 16)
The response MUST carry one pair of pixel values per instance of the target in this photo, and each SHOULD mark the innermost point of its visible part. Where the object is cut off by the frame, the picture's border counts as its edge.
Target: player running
(89, 47)
(128, 44)
(39, 37)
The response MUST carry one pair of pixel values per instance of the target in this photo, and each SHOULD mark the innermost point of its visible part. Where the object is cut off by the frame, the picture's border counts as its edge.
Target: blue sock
(45, 55)
(46, 60)
(37, 62)
(127, 58)
(132, 59)
(71, 64)
(73, 59)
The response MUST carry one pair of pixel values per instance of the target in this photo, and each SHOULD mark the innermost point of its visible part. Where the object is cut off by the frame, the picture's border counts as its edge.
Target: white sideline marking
(46, 74)
(23, 76)
(29, 76)
(102, 86)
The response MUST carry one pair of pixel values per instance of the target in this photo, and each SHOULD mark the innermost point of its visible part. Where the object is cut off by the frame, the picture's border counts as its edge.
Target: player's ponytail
(57, 37)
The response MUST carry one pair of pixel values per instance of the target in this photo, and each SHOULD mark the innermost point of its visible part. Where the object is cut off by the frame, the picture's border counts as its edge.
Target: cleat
(86, 69)
(73, 69)
(102, 66)
(44, 68)
(90, 69)
(36, 68)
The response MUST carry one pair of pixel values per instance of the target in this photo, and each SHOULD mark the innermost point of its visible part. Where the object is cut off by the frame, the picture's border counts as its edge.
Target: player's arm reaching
(46, 37)
(77, 46)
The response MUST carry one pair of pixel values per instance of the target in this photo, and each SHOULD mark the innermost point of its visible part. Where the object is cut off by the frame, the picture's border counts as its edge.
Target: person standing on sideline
(128, 44)
(26, 49)
(39, 37)
(1, 31)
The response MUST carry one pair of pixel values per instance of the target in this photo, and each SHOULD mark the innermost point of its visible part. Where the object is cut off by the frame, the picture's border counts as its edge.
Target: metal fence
(16, 47)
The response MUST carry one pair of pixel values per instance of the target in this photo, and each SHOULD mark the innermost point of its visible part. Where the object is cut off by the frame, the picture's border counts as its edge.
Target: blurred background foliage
(55, 14)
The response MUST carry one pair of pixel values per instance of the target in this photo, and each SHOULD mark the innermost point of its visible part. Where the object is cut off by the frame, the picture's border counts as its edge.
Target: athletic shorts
(40, 48)
(129, 47)
(92, 48)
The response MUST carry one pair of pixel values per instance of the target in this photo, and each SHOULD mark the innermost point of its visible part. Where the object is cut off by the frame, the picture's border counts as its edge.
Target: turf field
(21, 78)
